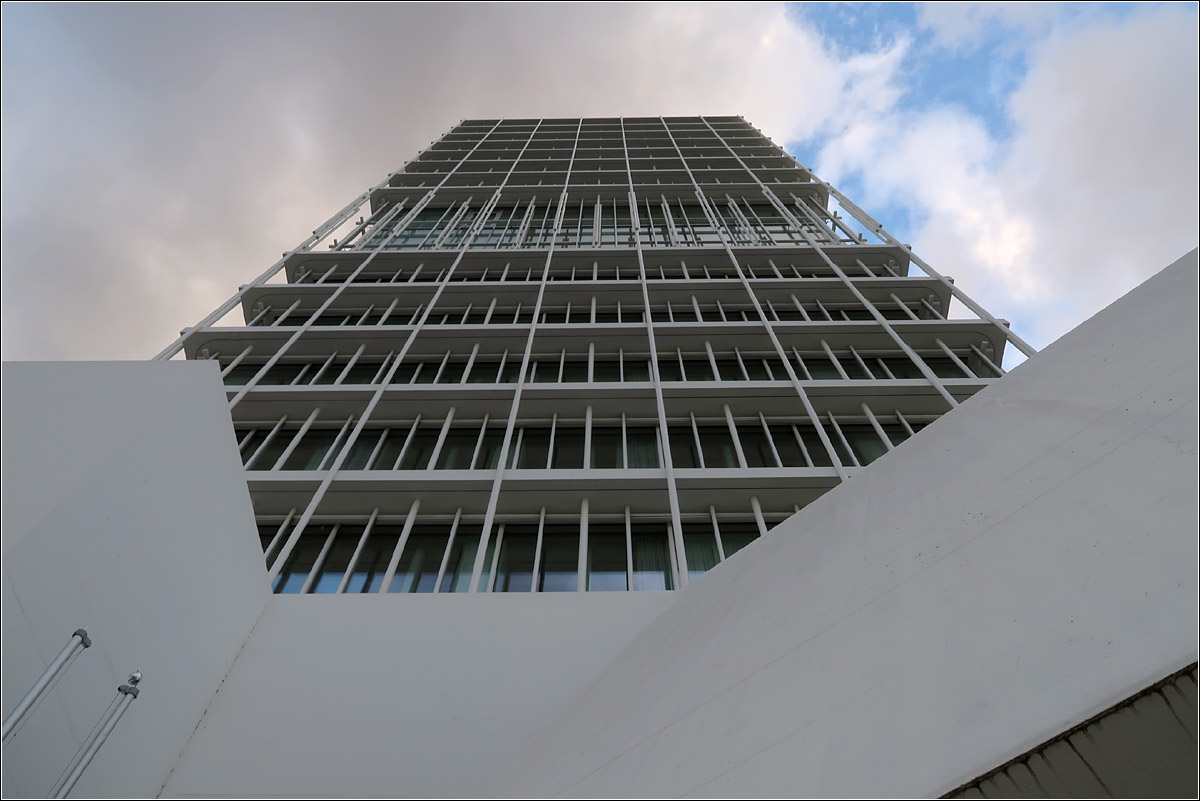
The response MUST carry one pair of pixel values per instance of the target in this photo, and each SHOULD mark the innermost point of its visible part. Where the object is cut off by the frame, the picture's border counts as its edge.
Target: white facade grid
(578, 355)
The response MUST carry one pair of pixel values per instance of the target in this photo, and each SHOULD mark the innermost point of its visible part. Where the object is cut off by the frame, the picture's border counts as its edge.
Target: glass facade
(577, 355)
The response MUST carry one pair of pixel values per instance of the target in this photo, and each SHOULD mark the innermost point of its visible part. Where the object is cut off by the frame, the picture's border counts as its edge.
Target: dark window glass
(902, 367)
(534, 449)
(575, 371)
(718, 447)
(361, 450)
(651, 557)
(669, 370)
(453, 373)
(461, 562)
(372, 563)
(606, 448)
(300, 563)
(421, 560)
(683, 447)
(755, 445)
(606, 371)
(568, 448)
(865, 442)
(282, 374)
(420, 449)
(241, 374)
(607, 568)
(642, 445)
(944, 367)
(637, 369)
(700, 547)
(820, 368)
(311, 451)
(458, 449)
(489, 451)
(514, 571)
(333, 568)
(559, 571)
(730, 370)
(698, 369)
(736, 535)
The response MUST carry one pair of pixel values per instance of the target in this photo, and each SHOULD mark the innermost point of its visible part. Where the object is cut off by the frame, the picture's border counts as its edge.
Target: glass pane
(295, 571)
(821, 369)
(361, 450)
(489, 451)
(251, 445)
(643, 447)
(637, 370)
(736, 535)
(718, 447)
(755, 445)
(574, 371)
(568, 448)
(311, 451)
(462, 559)
(373, 560)
(902, 367)
(458, 449)
(683, 447)
(514, 572)
(669, 370)
(391, 448)
(241, 374)
(700, 547)
(282, 374)
(944, 367)
(452, 373)
(559, 571)
(337, 560)
(730, 370)
(816, 449)
(486, 573)
(420, 449)
(698, 369)
(607, 568)
(534, 450)
(422, 557)
(865, 442)
(275, 448)
(789, 449)
(606, 371)
(651, 557)
(606, 448)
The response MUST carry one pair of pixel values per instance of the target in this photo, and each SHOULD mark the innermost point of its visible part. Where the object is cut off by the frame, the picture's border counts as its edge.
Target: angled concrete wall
(125, 512)
(1024, 563)
(401, 695)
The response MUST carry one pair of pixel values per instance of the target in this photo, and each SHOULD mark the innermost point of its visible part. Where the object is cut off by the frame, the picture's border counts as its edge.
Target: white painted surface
(125, 511)
(1024, 563)
(401, 695)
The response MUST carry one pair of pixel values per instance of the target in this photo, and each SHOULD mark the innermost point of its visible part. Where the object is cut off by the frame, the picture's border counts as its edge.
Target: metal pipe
(126, 693)
(79, 640)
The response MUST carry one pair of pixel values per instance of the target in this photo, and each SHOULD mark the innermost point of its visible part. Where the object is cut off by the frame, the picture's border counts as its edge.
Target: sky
(156, 157)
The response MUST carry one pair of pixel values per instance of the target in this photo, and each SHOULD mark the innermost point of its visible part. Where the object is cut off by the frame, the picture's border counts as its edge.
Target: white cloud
(155, 157)
(1094, 192)
(961, 25)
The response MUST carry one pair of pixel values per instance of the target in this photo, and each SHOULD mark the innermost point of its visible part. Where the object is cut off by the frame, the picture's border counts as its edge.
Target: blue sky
(157, 156)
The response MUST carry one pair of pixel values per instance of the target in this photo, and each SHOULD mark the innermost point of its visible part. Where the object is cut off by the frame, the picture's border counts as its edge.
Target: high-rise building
(577, 355)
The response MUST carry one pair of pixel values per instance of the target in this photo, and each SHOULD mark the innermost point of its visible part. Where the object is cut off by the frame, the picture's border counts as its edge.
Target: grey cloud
(158, 156)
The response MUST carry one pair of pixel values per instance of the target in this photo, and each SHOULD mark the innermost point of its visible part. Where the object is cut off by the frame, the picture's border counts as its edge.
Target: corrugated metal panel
(1144, 746)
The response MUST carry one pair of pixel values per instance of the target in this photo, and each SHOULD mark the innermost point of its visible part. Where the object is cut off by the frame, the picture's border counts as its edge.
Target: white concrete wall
(125, 512)
(1027, 561)
(401, 695)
